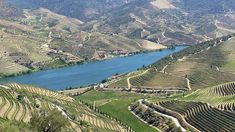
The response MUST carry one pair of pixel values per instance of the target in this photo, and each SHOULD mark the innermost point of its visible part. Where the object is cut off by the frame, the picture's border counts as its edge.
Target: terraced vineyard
(19, 102)
(224, 89)
(228, 107)
(154, 79)
(179, 106)
(12, 109)
(140, 80)
(40, 91)
(101, 124)
(202, 116)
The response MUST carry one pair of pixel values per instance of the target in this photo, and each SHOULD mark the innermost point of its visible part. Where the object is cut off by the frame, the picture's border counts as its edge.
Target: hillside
(102, 29)
(190, 90)
(42, 39)
(170, 22)
(87, 9)
(194, 88)
(8, 11)
(199, 66)
(207, 103)
(19, 103)
(166, 22)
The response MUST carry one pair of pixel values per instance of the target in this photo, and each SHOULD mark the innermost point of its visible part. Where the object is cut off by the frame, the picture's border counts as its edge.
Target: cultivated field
(116, 104)
(19, 102)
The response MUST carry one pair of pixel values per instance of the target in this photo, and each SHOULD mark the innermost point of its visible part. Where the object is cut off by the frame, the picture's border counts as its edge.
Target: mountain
(206, 6)
(80, 9)
(117, 28)
(169, 22)
(162, 21)
(8, 11)
(41, 39)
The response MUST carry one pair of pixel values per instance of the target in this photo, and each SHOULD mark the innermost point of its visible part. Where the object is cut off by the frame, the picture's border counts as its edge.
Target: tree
(104, 81)
(20, 97)
(52, 121)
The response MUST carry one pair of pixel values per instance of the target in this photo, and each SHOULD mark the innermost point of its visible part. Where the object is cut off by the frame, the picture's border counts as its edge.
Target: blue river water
(90, 73)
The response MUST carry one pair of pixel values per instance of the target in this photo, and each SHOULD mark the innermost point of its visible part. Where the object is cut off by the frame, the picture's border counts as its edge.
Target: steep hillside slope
(42, 39)
(19, 103)
(199, 66)
(162, 21)
(170, 22)
(206, 109)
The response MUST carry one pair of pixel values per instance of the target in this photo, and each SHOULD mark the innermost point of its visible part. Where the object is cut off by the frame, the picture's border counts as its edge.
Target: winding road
(175, 120)
(128, 79)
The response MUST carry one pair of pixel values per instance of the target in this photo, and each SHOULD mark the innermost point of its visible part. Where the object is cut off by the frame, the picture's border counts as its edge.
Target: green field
(116, 104)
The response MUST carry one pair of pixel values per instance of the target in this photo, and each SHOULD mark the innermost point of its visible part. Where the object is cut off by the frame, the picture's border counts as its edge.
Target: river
(90, 73)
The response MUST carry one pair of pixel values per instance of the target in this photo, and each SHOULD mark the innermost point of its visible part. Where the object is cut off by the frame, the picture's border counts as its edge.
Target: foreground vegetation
(33, 108)
(116, 104)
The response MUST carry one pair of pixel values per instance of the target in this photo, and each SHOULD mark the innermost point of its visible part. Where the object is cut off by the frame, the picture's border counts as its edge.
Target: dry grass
(148, 45)
(16, 25)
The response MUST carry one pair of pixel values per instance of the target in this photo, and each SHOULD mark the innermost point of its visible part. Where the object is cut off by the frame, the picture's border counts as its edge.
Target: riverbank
(63, 64)
(93, 72)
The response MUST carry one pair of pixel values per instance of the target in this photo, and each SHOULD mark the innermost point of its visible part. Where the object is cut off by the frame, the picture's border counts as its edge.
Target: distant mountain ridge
(8, 11)
(162, 21)
(80, 9)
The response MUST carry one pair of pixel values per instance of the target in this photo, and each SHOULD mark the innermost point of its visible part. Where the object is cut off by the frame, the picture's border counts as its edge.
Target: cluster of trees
(49, 121)
(52, 121)
(154, 119)
(9, 126)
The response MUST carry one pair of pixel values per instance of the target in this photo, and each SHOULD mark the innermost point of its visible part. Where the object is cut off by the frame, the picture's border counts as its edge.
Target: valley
(117, 66)
(65, 38)
(90, 73)
(54, 40)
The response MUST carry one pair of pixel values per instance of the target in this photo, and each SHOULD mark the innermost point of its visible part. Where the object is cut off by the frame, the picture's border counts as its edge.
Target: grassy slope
(116, 104)
(200, 69)
(230, 66)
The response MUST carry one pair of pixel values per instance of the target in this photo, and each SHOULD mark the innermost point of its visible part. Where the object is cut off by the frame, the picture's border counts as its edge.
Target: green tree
(52, 121)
